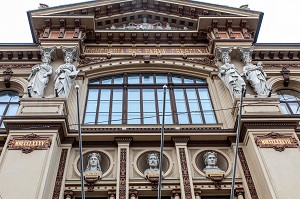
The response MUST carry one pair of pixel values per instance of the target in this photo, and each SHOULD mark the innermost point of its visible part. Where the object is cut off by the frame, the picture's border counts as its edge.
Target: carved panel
(185, 174)
(60, 173)
(122, 183)
(29, 143)
(276, 141)
(247, 174)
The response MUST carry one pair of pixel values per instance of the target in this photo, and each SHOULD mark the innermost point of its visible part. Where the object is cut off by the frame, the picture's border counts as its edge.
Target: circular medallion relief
(211, 160)
(103, 159)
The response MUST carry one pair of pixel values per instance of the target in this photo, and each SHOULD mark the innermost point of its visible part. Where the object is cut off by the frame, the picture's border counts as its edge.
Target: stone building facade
(121, 54)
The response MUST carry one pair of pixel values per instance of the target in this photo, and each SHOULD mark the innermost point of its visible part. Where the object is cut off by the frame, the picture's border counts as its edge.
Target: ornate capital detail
(123, 139)
(175, 192)
(276, 141)
(223, 53)
(29, 143)
(68, 194)
(133, 193)
(239, 191)
(185, 174)
(60, 174)
(245, 54)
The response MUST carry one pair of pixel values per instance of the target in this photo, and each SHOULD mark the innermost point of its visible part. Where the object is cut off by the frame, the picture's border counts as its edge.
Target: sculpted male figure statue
(210, 159)
(65, 73)
(229, 74)
(93, 163)
(39, 76)
(153, 162)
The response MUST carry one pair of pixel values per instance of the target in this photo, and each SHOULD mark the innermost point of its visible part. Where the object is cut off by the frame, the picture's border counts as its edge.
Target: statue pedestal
(153, 177)
(217, 177)
(91, 177)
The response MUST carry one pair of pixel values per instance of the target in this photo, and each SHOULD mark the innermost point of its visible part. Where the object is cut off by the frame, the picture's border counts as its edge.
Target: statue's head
(210, 158)
(94, 161)
(153, 159)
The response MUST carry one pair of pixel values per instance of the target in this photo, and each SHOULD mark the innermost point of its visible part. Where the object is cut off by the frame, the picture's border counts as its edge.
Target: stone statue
(229, 74)
(254, 73)
(65, 73)
(93, 163)
(153, 162)
(39, 76)
(210, 159)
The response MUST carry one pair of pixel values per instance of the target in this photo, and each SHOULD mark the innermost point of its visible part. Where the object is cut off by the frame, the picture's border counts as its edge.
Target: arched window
(9, 103)
(289, 101)
(138, 99)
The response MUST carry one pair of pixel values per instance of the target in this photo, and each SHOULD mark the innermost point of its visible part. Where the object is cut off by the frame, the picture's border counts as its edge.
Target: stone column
(186, 183)
(122, 168)
(176, 193)
(239, 193)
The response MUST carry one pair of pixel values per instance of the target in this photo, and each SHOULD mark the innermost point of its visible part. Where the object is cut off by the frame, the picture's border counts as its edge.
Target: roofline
(261, 16)
(30, 25)
(277, 44)
(18, 44)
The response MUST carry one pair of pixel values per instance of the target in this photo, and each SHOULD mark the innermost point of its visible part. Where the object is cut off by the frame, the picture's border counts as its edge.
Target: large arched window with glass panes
(289, 101)
(9, 103)
(138, 99)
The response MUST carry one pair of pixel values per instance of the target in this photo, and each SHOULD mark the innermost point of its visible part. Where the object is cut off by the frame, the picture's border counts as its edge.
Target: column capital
(68, 194)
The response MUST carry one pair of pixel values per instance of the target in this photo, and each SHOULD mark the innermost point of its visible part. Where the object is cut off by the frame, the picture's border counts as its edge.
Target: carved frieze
(29, 143)
(185, 174)
(276, 141)
(59, 176)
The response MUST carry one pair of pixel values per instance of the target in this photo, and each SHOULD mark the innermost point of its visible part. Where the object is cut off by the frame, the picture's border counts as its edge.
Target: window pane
(4, 98)
(295, 107)
(103, 118)
(133, 79)
(106, 81)
(96, 81)
(183, 118)
(209, 118)
(2, 107)
(105, 94)
(116, 118)
(148, 94)
(203, 92)
(118, 80)
(160, 94)
(91, 106)
(168, 118)
(147, 79)
(150, 118)
(133, 94)
(89, 118)
(285, 108)
(188, 80)
(117, 94)
(191, 94)
(176, 80)
(199, 81)
(133, 106)
(179, 95)
(181, 106)
(104, 106)
(168, 106)
(133, 118)
(196, 118)
(12, 109)
(14, 98)
(206, 105)
(161, 79)
(93, 94)
(149, 106)
(117, 106)
(194, 106)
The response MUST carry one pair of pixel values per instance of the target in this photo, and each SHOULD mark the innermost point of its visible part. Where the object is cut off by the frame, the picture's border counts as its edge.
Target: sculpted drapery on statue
(65, 73)
(229, 74)
(39, 76)
(254, 73)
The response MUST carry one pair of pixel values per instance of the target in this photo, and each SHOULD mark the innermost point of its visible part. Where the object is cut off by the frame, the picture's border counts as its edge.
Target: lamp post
(162, 143)
(238, 131)
(80, 144)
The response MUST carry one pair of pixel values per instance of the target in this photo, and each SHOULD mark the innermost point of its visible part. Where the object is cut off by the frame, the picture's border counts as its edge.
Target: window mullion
(110, 106)
(200, 106)
(187, 106)
(97, 107)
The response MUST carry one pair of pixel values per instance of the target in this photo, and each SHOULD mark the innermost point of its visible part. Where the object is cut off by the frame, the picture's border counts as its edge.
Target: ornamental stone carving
(66, 73)
(153, 163)
(254, 73)
(93, 170)
(229, 74)
(40, 73)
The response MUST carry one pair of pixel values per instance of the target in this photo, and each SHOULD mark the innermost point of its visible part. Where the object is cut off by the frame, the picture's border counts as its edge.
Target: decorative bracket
(7, 75)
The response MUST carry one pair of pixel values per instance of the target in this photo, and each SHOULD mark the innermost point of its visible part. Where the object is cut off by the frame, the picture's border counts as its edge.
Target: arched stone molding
(16, 84)
(219, 152)
(276, 83)
(137, 158)
(106, 172)
(162, 65)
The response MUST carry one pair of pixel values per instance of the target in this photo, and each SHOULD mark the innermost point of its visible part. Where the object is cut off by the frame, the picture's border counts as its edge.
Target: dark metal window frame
(155, 86)
(7, 104)
(287, 102)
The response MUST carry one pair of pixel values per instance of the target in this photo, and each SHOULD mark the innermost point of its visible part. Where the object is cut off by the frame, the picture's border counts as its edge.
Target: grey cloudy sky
(280, 23)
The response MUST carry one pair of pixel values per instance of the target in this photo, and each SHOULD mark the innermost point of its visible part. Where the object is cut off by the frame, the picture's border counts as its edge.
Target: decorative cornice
(123, 139)
(180, 139)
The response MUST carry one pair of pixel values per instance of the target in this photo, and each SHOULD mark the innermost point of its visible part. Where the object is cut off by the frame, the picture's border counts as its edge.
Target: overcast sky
(280, 23)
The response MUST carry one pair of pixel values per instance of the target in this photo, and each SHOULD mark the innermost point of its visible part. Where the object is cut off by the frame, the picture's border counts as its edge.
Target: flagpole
(162, 144)
(80, 144)
(238, 131)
